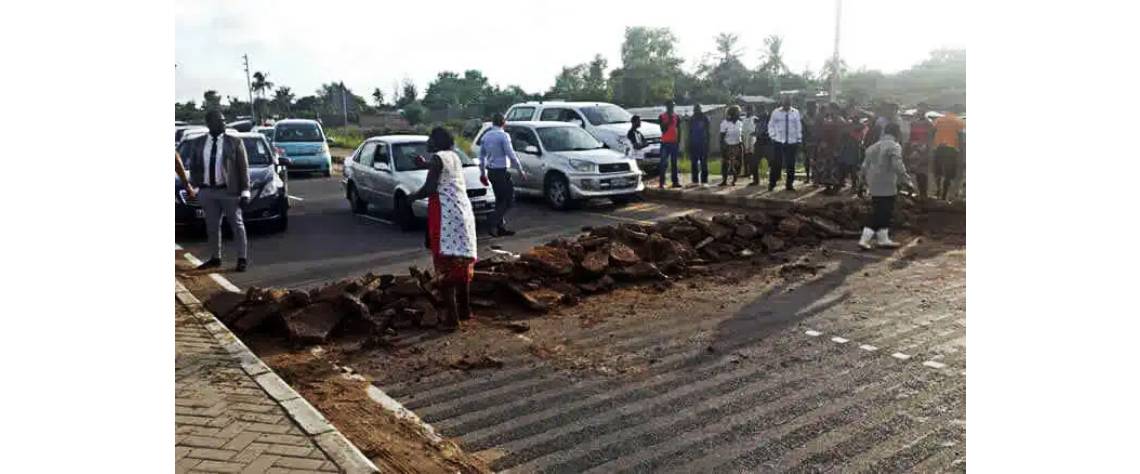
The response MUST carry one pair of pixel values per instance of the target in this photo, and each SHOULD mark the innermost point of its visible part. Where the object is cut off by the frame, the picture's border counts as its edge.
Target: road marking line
(813, 333)
(934, 365)
(868, 348)
(177, 247)
(377, 219)
(839, 340)
(193, 260)
(220, 280)
(900, 356)
(295, 197)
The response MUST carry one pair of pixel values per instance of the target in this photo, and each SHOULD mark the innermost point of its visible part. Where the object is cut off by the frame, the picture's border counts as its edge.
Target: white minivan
(606, 122)
(565, 164)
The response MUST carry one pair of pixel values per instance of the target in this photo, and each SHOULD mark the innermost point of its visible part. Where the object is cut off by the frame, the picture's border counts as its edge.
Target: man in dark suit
(219, 168)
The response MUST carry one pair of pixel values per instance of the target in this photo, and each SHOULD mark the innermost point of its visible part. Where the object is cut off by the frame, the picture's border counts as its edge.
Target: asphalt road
(326, 241)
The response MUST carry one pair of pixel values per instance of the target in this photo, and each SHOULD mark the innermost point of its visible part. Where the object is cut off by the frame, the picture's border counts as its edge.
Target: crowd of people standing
(831, 143)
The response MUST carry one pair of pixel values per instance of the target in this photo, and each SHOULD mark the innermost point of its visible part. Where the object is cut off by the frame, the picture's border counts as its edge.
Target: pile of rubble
(558, 273)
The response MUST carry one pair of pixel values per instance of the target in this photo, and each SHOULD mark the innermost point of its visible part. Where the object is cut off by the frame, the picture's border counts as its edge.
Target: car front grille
(613, 168)
(653, 140)
(476, 192)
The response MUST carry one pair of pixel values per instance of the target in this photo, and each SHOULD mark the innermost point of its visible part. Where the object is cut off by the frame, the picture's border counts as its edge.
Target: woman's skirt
(827, 169)
(450, 270)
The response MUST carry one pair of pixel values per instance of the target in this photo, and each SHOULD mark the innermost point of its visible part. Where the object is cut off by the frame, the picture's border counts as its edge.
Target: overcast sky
(368, 44)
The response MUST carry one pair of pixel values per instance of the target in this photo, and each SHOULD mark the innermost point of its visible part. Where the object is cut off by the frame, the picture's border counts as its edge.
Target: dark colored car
(268, 186)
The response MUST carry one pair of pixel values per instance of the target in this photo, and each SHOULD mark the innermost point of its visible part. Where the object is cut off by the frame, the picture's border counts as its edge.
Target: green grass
(345, 137)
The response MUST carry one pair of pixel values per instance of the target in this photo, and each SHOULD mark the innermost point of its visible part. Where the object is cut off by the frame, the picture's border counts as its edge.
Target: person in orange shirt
(947, 149)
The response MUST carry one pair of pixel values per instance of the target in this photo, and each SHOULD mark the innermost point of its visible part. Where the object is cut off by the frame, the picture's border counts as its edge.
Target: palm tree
(773, 60)
(378, 96)
(260, 85)
(726, 46)
(283, 98)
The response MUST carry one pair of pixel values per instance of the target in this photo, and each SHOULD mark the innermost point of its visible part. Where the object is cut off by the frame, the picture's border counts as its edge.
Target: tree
(335, 97)
(772, 63)
(261, 83)
(649, 67)
(585, 82)
(283, 100)
(449, 91)
(414, 113)
(378, 96)
(211, 100)
(407, 95)
(188, 112)
(831, 68)
(726, 47)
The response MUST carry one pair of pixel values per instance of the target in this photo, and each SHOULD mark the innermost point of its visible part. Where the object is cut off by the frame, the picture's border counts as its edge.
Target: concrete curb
(343, 453)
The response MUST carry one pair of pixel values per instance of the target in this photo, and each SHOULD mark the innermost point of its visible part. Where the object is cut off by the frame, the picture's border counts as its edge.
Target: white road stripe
(900, 356)
(177, 247)
(377, 219)
(192, 259)
(934, 365)
(224, 283)
(839, 340)
(813, 333)
(296, 198)
(620, 218)
(868, 348)
(220, 280)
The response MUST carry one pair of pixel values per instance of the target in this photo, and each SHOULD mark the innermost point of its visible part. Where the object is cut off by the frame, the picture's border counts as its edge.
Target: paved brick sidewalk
(225, 421)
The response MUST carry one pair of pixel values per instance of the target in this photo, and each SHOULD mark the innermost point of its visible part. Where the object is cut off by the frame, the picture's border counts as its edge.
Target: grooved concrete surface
(800, 377)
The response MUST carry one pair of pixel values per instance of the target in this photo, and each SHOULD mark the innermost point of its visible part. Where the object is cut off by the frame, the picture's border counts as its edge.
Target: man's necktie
(213, 162)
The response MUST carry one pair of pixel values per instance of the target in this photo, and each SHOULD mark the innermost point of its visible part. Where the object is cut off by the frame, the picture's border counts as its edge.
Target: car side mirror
(380, 166)
(284, 161)
(532, 150)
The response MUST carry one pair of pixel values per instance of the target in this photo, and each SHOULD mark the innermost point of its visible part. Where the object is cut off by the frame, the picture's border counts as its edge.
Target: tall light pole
(834, 89)
(249, 88)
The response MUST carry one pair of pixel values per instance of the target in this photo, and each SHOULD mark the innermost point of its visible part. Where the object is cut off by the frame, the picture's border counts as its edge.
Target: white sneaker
(704, 185)
(865, 240)
(883, 239)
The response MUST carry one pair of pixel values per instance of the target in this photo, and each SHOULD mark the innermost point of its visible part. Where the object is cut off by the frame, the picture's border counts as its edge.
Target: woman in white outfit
(451, 227)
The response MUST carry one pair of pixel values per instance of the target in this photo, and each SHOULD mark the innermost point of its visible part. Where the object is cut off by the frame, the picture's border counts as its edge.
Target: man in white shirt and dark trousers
(219, 168)
(496, 157)
(785, 128)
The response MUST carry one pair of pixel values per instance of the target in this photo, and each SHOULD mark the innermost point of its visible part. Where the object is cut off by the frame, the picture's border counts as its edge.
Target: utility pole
(249, 88)
(344, 101)
(834, 88)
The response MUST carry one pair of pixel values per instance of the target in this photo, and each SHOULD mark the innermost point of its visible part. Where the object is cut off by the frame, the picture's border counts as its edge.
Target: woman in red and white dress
(451, 227)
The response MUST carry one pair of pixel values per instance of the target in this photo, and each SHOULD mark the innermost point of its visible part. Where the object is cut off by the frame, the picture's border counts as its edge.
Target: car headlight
(270, 187)
(583, 166)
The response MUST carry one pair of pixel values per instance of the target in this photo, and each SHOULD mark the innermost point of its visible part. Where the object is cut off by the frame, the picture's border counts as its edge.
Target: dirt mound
(563, 270)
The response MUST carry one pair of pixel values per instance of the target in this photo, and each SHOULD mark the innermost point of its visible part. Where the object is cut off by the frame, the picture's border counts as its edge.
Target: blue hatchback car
(304, 143)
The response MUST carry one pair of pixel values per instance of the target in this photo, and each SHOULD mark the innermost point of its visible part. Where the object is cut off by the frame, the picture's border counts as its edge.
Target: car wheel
(358, 205)
(327, 173)
(282, 221)
(403, 214)
(558, 192)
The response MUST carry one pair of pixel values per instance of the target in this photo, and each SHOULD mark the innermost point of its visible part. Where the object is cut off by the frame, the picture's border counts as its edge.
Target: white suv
(606, 122)
(564, 164)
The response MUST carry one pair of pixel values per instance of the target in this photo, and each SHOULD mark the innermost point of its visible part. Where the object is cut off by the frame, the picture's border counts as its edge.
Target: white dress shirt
(732, 131)
(219, 165)
(786, 126)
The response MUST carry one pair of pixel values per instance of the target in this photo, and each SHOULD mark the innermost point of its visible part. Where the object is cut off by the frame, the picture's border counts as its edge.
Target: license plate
(199, 213)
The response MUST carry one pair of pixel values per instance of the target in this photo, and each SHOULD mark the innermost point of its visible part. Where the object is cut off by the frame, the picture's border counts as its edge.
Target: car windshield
(413, 156)
(297, 132)
(257, 151)
(567, 139)
(604, 114)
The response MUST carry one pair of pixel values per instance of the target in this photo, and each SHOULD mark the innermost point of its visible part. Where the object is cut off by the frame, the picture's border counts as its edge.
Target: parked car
(268, 185)
(181, 130)
(565, 164)
(305, 143)
(606, 122)
(265, 130)
(384, 170)
(241, 125)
